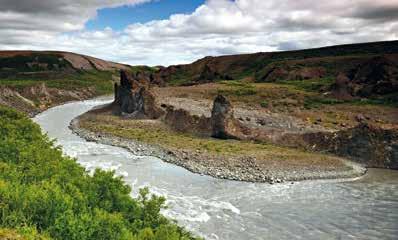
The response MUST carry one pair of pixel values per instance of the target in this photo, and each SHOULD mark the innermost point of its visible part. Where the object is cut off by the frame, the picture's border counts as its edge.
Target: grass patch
(317, 101)
(237, 88)
(311, 85)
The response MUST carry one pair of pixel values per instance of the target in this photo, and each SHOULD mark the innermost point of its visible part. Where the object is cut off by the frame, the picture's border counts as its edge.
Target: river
(365, 208)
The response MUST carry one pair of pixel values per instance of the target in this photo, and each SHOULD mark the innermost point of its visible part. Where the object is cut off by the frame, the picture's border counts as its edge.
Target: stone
(223, 123)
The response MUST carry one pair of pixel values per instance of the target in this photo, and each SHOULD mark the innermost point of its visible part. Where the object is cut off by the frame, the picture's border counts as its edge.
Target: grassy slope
(44, 195)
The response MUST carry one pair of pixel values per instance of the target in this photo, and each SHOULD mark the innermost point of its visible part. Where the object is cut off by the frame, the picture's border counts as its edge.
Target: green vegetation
(264, 104)
(45, 195)
(135, 69)
(238, 88)
(100, 80)
(311, 85)
(33, 63)
(180, 78)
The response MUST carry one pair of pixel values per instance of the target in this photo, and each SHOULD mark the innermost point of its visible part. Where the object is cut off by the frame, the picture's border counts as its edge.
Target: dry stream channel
(365, 208)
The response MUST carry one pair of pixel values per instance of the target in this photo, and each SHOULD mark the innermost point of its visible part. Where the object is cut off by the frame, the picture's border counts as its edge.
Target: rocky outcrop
(183, 121)
(376, 76)
(307, 73)
(342, 89)
(210, 74)
(275, 74)
(379, 75)
(134, 98)
(223, 123)
(366, 144)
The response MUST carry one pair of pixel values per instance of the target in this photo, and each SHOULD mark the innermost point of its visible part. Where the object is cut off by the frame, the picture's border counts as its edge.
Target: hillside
(320, 64)
(32, 81)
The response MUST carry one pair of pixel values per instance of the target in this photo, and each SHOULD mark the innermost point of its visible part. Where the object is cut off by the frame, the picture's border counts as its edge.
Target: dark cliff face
(366, 144)
(379, 75)
(375, 76)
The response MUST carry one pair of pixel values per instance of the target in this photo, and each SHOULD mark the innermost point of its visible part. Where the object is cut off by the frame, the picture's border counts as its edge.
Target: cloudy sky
(163, 32)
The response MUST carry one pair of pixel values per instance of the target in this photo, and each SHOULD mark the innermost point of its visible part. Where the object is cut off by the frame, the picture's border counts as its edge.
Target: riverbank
(283, 164)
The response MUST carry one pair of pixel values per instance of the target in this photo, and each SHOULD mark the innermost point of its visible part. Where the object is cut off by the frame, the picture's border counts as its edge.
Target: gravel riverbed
(240, 169)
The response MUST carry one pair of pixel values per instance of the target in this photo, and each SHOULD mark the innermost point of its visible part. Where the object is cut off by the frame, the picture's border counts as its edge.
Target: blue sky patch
(118, 18)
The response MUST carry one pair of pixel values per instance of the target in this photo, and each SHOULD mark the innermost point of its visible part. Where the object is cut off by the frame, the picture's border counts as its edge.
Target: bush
(48, 193)
(264, 104)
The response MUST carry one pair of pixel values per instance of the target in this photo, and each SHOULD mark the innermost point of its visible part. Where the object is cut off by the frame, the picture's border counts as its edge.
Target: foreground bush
(44, 195)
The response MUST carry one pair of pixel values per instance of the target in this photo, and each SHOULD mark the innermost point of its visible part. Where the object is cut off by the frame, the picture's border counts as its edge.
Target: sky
(165, 32)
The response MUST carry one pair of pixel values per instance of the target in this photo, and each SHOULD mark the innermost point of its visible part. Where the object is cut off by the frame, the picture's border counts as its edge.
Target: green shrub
(264, 104)
(48, 193)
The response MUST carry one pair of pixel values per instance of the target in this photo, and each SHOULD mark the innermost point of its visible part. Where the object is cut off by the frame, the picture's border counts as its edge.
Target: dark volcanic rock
(134, 97)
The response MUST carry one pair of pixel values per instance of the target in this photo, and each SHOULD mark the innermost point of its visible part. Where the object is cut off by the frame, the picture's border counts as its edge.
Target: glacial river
(365, 208)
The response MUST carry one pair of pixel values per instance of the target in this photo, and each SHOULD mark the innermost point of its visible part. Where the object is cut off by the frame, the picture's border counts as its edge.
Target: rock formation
(210, 74)
(341, 88)
(367, 144)
(274, 74)
(223, 123)
(376, 76)
(183, 121)
(379, 75)
(133, 96)
(307, 73)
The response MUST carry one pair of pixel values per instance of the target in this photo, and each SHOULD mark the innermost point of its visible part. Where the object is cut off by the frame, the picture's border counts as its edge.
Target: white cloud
(215, 28)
